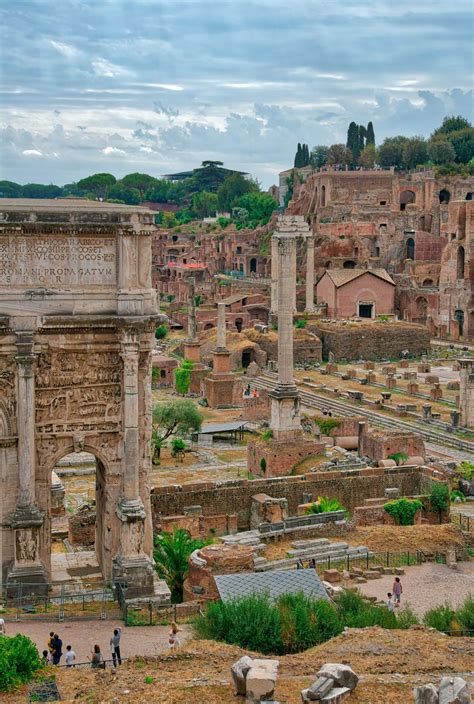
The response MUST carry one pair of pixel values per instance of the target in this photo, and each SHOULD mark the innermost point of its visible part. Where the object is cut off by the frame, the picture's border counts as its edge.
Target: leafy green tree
(171, 555)
(177, 417)
(205, 204)
(339, 154)
(403, 510)
(319, 156)
(182, 377)
(441, 151)
(19, 661)
(178, 448)
(453, 123)
(98, 184)
(361, 138)
(161, 332)
(10, 189)
(169, 220)
(139, 182)
(305, 155)
(298, 157)
(40, 190)
(232, 189)
(260, 206)
(209, 176)
(130, 196)
(367, 157)
(415, 152)
(352, 141)
(370, 135)
(390, 152)
(439, 498)
(463, 143)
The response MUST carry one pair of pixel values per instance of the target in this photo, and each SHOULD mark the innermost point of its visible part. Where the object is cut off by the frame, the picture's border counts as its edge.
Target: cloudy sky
(160, 85)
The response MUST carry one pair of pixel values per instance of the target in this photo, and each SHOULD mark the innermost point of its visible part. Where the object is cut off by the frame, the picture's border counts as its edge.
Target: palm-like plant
(325, 505)
(171, 553)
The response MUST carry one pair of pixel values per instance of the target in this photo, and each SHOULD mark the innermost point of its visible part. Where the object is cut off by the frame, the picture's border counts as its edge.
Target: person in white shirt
(70, 656)
(3, 631)
(390, 602)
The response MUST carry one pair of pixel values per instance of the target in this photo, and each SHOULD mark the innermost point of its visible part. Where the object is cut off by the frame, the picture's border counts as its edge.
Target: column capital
(25, 363)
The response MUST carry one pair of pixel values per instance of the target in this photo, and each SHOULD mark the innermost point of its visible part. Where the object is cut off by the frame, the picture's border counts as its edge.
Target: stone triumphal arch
(77, 317)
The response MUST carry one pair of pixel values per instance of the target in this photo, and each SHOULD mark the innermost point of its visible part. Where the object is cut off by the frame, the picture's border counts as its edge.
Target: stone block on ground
(454, 690)
(260, 681)
(399, 571)
(361, 580)
(356, 572)
(343, 675)
(239, 671)
(426, 694)
(319, 688)
(337, 695)
(333, 576)
(372, 574)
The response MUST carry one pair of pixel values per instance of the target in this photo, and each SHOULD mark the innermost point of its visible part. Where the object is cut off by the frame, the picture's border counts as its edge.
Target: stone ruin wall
(235, 497)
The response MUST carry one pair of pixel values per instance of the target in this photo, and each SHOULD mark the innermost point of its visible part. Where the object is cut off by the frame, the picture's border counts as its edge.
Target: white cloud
(164, 86)
(68, 51)
(32, 152)
(113, 150)
(102, 67)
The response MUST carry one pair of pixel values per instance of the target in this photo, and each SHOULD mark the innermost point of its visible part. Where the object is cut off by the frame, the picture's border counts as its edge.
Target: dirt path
(83, 635)
(427, 585)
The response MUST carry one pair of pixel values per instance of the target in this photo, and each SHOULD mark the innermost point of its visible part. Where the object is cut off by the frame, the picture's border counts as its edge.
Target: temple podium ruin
(77, 321)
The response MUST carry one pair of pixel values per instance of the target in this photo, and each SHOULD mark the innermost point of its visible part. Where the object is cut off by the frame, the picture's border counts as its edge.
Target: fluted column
(274, 277)
(309, 275)
(26, 430)
(130, 347)
(286, 293)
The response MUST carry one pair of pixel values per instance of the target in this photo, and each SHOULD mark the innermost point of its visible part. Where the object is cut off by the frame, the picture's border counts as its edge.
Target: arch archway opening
(349, 264)
(238, 324)
(444, 196)
(79, 526)
(248, 356)
(253, 265)
(461, 256)
(323, 196)
(459, 316)
(410, 248)
(469, 195)
(406, 198)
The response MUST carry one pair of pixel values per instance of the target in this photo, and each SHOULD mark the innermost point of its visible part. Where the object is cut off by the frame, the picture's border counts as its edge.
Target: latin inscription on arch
(57, 261)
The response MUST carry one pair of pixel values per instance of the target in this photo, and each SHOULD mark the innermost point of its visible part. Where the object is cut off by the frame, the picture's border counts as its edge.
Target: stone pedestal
(436, 392)
(27, 569)
(391, 382)
(466, 396)
(192, 351)
(133, 567)
(412, 387)
(219, 385)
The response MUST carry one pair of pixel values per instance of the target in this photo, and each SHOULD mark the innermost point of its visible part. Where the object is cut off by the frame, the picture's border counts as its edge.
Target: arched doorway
(208, 326)
(410, 248)
(323, 196)
(349, 265)
(469, 195)
(460, 263)
(428, 282)
(421, 310)
(238, 324)
(253, 265)
(459, 316)
(406, 198)
(444, 196)
(248, 356)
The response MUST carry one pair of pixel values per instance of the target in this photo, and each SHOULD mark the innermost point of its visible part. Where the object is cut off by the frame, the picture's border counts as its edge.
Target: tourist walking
(115, 646)
(96, 660)
(56, 649)
(173, 639)
(45, 659)
(70, 656)
(390, 602)
(397, 590)
(50, 642)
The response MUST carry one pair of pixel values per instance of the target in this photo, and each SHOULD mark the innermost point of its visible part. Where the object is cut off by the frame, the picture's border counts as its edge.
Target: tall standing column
(130, 347)
(293, 274)
(27, 519)
(191, 308)
(274, 275)
(466, 393)
(286, 289)
(221, 330)
(309, 275)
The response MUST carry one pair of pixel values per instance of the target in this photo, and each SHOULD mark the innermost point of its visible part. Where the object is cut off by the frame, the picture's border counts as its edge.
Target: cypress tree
(353, 142)
(370, 135)
(362, 134)
(306, 155)
(298, 155)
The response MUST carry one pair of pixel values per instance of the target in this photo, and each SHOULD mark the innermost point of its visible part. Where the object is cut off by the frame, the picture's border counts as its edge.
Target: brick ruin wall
(373, 341)
(351, 488)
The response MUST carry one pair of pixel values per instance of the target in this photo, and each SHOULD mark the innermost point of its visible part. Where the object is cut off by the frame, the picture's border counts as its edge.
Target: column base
(131, 510)
(27, 580)
(26, 517)
(136, 573)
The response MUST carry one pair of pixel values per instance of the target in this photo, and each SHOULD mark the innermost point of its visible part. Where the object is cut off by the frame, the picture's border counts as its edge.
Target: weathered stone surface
(426, 694)
(343, 675)
(239, 671)
(261, 679)
(333, 576)
(337, 695)
(454, 690)
(320, 688)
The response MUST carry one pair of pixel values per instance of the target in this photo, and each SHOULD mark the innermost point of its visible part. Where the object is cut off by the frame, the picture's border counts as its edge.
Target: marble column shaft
(293, 274)
(129, 353)
(274, 276)
(221, 342)
(26, 430)
(192, 308)
(309, 275)
(286, 291)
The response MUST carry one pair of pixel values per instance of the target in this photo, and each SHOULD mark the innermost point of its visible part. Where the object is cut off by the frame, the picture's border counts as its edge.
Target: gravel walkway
(83, 635)
(427, 585)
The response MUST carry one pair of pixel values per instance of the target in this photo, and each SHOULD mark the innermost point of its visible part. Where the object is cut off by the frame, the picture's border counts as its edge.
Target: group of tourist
(54, 652)
(394, 597)
(249, 393)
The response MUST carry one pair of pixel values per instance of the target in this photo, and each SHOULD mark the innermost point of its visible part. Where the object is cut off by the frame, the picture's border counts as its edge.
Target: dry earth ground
(390, 663)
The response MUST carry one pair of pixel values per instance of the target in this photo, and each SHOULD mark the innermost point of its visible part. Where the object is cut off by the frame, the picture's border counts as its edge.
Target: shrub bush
(19, 661)
(398, 457)
(465, 614)
(325, 505)
(356, 612)
(327, 424)
(442, 617)
(403, 510)
(161, 332)
(301, 323)
(406, 617)
(439, 499)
